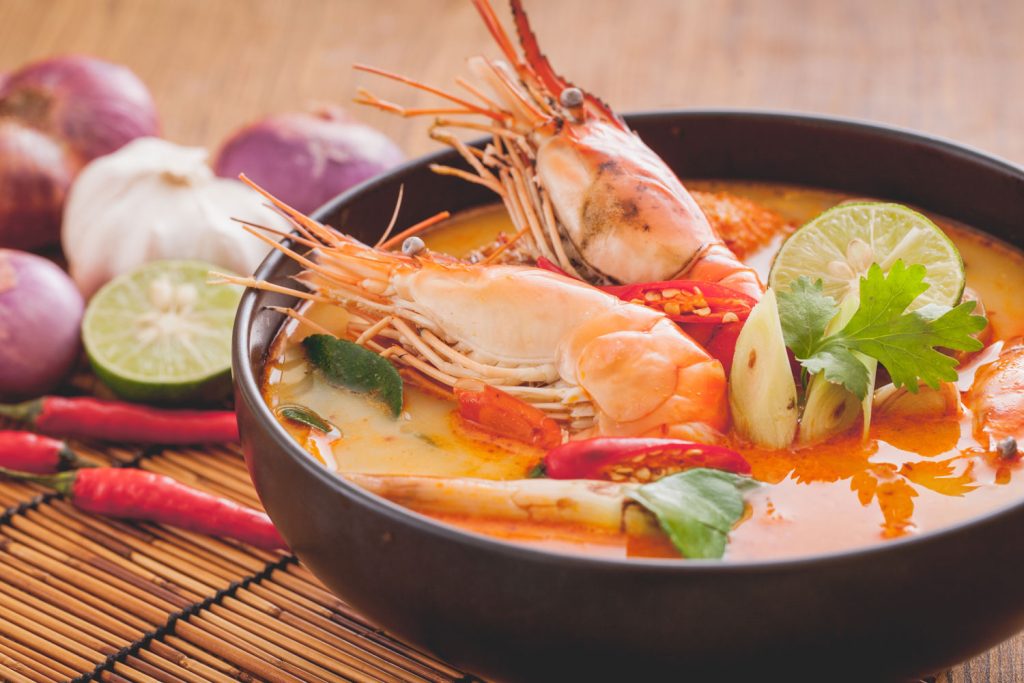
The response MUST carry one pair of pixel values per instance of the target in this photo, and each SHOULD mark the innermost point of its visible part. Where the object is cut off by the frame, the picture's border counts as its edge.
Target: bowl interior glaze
(891, 611)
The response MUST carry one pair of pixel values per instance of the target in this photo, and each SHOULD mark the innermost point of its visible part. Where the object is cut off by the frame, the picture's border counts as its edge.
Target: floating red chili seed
(689, 301)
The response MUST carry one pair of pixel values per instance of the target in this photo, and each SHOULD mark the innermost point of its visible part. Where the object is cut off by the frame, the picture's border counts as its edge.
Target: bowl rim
(249, 386)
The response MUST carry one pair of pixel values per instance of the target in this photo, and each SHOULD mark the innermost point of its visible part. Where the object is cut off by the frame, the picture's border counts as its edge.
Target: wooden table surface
(953, 69)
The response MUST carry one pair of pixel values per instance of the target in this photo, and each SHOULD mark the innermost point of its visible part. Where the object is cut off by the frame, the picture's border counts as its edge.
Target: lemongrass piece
(762, 392)
(925, 403)
(830, 408)
(597, 504)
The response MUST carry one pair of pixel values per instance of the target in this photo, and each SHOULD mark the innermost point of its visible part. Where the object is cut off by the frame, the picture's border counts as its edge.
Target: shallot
(305, 159)
(40, 313)
(56, 115)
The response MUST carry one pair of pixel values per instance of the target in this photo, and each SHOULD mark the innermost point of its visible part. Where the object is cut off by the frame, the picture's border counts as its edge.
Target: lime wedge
(162, 334)
(841, 244)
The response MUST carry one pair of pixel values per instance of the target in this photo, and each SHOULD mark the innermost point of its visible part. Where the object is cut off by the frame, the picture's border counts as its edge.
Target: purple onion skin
(35, 173)
(40, 318)
(306, 159)
(86, 107)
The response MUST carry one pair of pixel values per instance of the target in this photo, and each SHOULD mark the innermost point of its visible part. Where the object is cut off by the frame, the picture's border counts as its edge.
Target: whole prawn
(598, 365)
(582, 189)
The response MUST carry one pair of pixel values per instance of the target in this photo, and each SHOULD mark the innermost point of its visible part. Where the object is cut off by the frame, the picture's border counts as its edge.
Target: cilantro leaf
(883, 298)
(905, 343)
(805, 312)
(696, 508)
(840, 365)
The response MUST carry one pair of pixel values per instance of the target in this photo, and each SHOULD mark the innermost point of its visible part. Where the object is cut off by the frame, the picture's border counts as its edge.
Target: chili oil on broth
(908, 477)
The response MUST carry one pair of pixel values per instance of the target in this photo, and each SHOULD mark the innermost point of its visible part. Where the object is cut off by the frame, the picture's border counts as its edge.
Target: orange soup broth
(908, 477)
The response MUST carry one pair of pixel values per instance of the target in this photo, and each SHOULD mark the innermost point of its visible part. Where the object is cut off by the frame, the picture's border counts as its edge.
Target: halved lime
(841, 244)
(162, 334)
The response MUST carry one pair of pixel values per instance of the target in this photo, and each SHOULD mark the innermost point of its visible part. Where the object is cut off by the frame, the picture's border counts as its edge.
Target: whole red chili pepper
(147, 496)
(31, 452)
(643, 459)
(91, 418)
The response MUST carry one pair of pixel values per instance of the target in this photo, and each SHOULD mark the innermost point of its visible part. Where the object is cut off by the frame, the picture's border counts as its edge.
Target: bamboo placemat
(86, 598)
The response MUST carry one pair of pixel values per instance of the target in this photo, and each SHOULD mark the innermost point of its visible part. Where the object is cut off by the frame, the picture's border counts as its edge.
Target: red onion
(306, 159)
(40, 315)
(55, 116)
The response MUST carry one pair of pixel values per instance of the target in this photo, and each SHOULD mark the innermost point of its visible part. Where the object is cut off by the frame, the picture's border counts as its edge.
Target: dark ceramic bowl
(892, 611)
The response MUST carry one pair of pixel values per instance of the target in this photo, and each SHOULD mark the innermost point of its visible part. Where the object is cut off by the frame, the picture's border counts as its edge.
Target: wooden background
(950, 68)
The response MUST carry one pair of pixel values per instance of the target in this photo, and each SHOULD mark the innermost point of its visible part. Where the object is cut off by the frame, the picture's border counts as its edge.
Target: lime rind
(822, 249)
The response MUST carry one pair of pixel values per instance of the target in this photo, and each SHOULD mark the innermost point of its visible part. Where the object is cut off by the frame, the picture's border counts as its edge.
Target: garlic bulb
(154, 200)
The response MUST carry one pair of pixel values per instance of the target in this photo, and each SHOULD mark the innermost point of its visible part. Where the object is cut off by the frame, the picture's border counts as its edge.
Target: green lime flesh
(161, 334)
(841, 244)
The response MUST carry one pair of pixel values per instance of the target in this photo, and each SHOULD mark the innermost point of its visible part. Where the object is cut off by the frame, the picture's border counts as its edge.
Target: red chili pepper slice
(711, 313)
(30, 452)
(640, 459)
(136, 494)
(90, 418)
(688, 301)
(684, 301)
(722, 342)
(502, 414)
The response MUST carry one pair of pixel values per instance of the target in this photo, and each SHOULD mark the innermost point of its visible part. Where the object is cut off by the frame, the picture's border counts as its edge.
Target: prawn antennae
(295, 315)
(420, 86)
(280, 233)
(252, 283)
(394, 217)
(492, 257)
(540, 65)
(287, 210)
(498, 32)
(410, 231)
(531, 49)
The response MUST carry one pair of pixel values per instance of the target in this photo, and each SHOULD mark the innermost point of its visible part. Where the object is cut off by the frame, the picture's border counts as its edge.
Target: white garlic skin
(153, 200)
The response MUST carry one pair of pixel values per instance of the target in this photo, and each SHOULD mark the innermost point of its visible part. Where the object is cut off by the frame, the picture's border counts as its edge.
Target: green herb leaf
(840, 366)
(538, 471)
(351, 366)
(905, 343)
(696, 508)
(805, 311)
(305, 416)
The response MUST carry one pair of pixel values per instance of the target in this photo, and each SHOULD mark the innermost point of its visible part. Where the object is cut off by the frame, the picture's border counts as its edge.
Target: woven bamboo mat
(86, 598)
